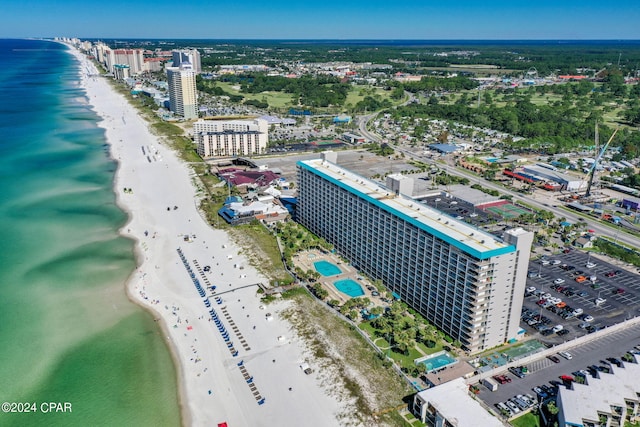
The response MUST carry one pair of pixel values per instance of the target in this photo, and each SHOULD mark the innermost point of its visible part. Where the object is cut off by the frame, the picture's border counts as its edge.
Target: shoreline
(185, 415)
(211, 387)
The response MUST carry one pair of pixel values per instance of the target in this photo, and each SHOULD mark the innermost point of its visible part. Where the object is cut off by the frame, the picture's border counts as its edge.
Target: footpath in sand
(157, 191)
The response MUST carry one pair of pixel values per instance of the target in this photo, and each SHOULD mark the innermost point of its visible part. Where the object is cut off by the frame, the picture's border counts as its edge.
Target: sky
(329, 19)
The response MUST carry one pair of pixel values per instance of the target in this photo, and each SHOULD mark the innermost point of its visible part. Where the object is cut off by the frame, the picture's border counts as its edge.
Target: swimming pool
(349, 287)
(437, 361)
(326, 268)
(491, 159)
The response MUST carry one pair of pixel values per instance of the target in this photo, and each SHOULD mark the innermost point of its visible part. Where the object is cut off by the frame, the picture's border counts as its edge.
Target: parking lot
(543, 371)
(565, 277)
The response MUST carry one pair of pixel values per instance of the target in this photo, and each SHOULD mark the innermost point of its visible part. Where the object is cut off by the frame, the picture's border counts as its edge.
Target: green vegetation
(550, 118)
(338, 346)
(262, 251)
(295, 238)
(618, 251)
(380, 149)
(526, 420)
(405, 336)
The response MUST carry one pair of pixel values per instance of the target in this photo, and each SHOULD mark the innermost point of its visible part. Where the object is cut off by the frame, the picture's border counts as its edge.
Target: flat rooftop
(453, 402)
(465, 237)
(585, 401)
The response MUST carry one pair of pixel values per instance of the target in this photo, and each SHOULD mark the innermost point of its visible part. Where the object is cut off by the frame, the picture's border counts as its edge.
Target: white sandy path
(161, 283)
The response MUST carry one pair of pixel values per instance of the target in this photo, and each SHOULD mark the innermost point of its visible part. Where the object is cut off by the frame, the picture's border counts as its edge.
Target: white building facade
(230, 138)
(468, 283)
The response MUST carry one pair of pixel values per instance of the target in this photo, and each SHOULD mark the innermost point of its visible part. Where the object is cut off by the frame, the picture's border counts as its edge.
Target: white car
(590, 265)
(556, 262)
(600, 301)
(531, 289)
(589, 318)
(558, 328)
(578, 311)
(558, 281)
(546, 296)
(544, 262)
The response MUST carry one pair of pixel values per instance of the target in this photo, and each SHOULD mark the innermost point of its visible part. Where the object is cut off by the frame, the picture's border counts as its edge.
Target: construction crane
(592, 172)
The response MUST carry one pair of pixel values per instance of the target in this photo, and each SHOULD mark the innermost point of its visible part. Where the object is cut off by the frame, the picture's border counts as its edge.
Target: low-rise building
(450, 404)
(608, 400)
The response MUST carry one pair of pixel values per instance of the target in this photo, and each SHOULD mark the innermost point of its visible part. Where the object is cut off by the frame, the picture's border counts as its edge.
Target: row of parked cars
(548, 391)
(516, 404)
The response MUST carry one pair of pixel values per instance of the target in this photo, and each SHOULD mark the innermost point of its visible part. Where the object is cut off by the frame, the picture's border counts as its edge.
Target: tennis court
(508, 210)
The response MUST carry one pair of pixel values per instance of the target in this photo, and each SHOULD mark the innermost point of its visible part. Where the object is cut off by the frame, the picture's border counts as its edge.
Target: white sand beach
(162, 207)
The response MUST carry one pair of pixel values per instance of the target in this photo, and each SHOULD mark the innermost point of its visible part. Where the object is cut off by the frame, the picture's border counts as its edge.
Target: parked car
(558, 281)
(558, 328)
(553, 358)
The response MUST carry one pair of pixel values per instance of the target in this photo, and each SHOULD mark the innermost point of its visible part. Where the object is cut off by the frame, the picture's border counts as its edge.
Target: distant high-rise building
(467, 282)
(183, 96)
(226, 138)
(187, 56)
(134, 58)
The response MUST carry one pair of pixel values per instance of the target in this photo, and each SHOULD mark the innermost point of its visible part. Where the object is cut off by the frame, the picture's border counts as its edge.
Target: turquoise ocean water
(67, 331)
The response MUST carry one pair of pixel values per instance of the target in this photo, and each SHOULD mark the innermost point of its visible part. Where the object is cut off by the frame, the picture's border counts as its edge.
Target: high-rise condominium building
(134, 58)
(183, 96)
(227, 138)
(187, 56)
(468, 283)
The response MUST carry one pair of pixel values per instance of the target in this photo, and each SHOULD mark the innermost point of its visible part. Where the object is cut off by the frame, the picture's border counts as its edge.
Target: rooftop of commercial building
(544, 172)
(467, 238)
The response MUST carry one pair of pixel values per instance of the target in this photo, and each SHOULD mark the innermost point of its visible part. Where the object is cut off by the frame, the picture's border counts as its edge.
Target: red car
(502, 379)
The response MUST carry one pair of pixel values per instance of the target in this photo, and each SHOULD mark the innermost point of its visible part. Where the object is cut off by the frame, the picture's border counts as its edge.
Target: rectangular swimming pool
(437, 361)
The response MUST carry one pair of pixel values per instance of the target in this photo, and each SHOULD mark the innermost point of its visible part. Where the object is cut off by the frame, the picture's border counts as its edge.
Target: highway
(600, 229)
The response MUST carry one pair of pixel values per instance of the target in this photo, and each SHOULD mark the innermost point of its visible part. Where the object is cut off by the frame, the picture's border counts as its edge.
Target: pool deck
(450, 372)
(305, 261)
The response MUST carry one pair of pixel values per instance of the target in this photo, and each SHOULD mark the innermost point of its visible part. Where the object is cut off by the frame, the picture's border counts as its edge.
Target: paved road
(620, 236)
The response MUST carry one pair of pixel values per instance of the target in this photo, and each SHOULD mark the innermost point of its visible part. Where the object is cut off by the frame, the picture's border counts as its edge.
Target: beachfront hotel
(183, 95)
(229, 138)
(468, 283)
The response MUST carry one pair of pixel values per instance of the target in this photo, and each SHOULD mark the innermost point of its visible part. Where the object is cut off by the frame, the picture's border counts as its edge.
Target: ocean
(68, 333)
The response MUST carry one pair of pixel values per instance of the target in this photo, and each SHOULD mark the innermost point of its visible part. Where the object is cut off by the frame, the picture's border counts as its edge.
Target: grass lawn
(358, 93)
(438, 347)
(526, 420)
(274, 99)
